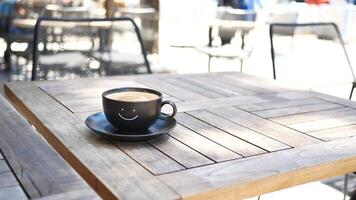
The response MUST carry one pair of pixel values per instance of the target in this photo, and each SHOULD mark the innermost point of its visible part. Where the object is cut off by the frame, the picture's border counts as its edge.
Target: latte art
(132, 96)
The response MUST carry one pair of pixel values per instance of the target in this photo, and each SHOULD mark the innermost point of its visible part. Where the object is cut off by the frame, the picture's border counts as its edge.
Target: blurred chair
(228, 22)
(22, 35)
(103, 47)
(290, 17)
(335, 27)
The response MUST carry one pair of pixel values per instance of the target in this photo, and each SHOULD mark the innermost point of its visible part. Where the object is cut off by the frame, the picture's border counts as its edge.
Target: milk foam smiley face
(128, 114)
(134, 109)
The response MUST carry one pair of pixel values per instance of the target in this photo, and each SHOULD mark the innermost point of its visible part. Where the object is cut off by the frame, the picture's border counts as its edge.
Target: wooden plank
(338, 100)
(304, 117)
(192, 87)
(85, 86)
(239, 131)
(181, 153)
(217, 82)
(7, 179)
(239, 179)
(254, 86)
(172, 90)
(149, 157)
(12, 193)
(90, 155)
(335, 133)
(236, 100)
(71, 195)
(203, 145)
(279, 104)
(221, 137)
(209, 86)
(261, 82)
(266, 127)
(296, 110)
(325, 123)
(40, 170)
(4, 167)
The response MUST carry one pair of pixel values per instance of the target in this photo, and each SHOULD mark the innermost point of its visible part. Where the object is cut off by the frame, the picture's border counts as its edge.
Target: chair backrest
(87, 47)
(226, 33)
(284, 17)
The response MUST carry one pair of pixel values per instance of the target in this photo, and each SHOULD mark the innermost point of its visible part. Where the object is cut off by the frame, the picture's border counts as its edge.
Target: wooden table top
(238, 136)
(29, 167)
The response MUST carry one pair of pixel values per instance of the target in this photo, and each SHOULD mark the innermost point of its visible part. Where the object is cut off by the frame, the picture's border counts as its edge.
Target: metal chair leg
(345, 186)
(352, 89)
(272, 50)
(209, 63)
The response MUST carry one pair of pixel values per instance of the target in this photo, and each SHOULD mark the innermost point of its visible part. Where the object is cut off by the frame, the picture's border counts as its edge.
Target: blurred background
(185, 36)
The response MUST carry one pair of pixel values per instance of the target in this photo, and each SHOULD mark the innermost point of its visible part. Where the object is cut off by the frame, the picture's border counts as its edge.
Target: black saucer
(99, 124)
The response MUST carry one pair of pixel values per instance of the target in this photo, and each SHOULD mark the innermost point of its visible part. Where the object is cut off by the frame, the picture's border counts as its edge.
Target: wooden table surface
(238, 136)
(29, 167)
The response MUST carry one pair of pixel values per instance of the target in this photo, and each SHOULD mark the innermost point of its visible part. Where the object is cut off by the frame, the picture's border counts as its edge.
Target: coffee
(134, 109)
(133, 96)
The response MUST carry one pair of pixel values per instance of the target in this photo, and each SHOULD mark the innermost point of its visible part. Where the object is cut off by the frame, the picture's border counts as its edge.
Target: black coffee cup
(133, 116)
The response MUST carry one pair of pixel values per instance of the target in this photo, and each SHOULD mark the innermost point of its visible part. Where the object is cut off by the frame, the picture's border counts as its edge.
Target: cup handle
(171, 103)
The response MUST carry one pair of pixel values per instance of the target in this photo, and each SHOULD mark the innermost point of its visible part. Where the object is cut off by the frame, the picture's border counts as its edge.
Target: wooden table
(30, 167)
(238, 136)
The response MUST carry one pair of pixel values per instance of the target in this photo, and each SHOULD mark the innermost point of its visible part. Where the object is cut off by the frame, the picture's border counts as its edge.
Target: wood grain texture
(221, 137)
(90, 155)
(12, 193)
(335, 133)
(71, 195)
(252, 84)
(279, 104)
(239, 179)
(325, 123)
(239, 131)
(192, 87)
(266, 127)
(7, 179)
(222, 84)
(40, 170)
(203, 145)
(181, 153)
(296, 110)
(304, 117)
(172, 90)
(9, 186)
(4, 167)
(207, 85)
(149, 157)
